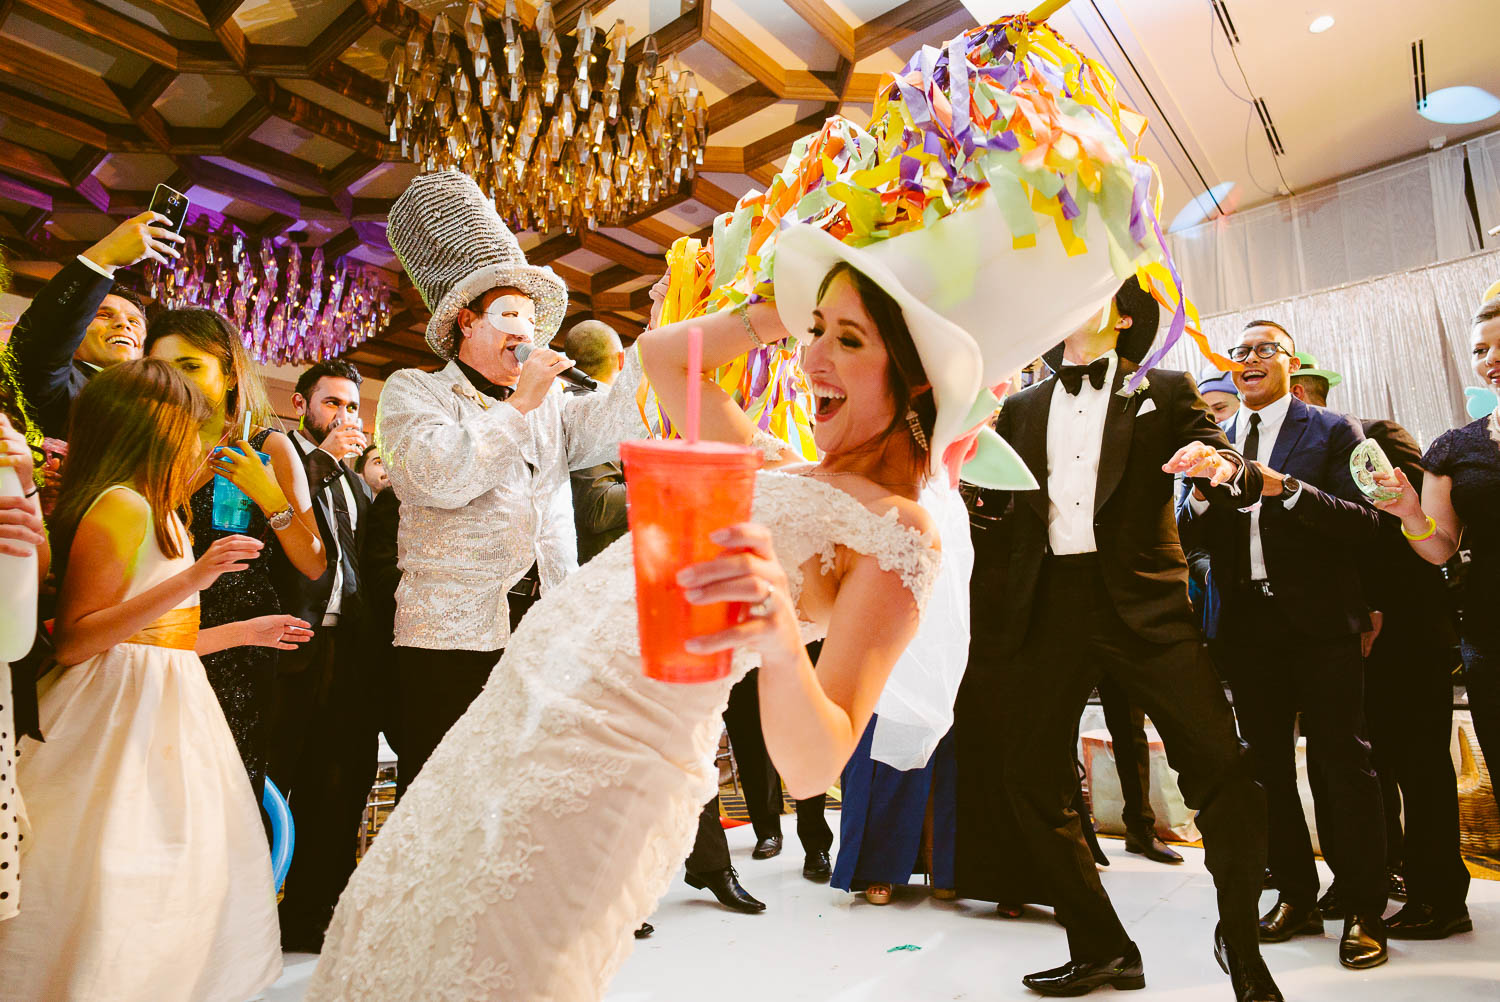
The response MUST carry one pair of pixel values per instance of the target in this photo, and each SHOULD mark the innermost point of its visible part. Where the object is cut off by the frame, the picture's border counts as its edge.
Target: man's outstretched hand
(148, 235)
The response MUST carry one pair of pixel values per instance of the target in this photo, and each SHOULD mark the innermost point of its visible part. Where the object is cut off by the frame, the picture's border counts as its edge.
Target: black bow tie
(1072, 375)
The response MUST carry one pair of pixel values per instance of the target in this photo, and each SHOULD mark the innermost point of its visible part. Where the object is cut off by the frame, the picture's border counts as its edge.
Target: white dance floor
(816, 943)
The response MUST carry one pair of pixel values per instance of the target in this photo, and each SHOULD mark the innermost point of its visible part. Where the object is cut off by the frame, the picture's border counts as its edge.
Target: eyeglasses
(1266, 349)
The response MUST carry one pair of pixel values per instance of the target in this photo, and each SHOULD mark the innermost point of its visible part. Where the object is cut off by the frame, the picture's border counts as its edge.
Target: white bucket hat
(455, 247)
(978, 308)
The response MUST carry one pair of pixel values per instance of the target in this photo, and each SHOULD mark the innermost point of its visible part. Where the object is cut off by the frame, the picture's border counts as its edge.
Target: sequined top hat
(455, 247)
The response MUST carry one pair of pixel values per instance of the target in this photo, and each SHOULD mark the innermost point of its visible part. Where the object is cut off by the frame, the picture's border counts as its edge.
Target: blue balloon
(1481, 401)
(283, 832)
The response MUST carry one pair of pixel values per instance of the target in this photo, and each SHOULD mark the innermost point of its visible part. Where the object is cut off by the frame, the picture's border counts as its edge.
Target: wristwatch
(1290, 485)
(281, 519)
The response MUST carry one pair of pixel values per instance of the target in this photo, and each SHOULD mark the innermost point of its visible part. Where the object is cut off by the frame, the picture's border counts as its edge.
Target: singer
(479, 452)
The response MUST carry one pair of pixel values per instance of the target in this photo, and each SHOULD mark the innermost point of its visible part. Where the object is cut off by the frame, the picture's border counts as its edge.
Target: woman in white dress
(552, 817)
(147, 874)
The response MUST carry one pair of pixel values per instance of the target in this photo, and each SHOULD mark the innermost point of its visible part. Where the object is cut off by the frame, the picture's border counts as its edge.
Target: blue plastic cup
(232, 506)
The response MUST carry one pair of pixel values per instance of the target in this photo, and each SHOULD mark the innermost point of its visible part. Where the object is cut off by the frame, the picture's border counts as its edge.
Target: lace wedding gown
(552, 817)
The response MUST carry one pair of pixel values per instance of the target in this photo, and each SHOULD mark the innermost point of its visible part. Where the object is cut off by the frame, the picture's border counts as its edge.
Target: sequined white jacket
(485, 493)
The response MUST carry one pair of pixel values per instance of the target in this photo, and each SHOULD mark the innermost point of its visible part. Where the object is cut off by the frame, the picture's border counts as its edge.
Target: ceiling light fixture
(572, 131)
(1204, 205)
(1321, 24)
(1459, 105)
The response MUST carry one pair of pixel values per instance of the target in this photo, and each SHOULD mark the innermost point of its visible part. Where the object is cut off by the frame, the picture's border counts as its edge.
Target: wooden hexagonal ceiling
(269, 114)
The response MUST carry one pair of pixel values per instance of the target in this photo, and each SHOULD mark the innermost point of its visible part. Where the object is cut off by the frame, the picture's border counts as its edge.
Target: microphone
(574, 375)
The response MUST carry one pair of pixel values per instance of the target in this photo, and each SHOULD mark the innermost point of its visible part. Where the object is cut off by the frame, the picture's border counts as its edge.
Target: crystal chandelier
(560, 131)
(281, 318)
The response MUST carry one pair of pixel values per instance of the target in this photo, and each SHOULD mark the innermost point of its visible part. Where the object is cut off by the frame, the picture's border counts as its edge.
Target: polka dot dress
(11, 827)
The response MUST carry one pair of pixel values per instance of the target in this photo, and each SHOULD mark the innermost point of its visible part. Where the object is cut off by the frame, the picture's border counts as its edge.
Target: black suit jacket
(308, 599)
(1411, 593)
(48, 334)
(379, 572)
(1312, 550)
(599, 509)
(1134, 524)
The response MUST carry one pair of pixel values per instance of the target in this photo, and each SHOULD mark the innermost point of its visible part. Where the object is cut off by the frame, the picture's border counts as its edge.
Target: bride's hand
(749, 573)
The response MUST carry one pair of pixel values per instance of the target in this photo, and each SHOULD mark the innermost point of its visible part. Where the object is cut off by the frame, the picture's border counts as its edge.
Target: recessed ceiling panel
(286, 22)
(90, 55)
(282, 135)
(203, 102)
(43, 140)
(779, 32)
(353, 110)
(134, 171)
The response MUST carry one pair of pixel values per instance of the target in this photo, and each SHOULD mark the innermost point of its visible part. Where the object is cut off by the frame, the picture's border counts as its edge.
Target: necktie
(1251, 451)
(346, 534)
(1072, 375)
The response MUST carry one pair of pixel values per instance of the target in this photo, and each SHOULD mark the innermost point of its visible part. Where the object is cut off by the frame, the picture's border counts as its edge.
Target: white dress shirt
(93, 266)
(1075, 436)
(1272, 417)
(335, 600)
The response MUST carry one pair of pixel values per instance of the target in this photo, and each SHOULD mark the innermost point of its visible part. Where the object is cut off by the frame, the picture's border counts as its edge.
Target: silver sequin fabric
(485, 494)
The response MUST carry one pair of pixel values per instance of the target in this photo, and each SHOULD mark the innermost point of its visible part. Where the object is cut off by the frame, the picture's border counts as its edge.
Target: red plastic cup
(679, 494)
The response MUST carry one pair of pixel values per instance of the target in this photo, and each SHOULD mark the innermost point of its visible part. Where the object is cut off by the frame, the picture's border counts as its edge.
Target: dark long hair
(905, 374)
(134, 422)
(211, 332)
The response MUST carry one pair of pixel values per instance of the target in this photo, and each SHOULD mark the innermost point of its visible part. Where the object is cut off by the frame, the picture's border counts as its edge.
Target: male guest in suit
(325, 746)
(1408, 704)
(1098, 588)
(81, 321)
(1289, 642)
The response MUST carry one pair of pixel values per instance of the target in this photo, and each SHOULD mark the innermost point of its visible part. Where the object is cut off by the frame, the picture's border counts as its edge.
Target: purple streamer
(1179, 315)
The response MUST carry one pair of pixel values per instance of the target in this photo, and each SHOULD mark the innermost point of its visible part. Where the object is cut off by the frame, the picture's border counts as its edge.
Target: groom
(1099, 591)
(479, 452)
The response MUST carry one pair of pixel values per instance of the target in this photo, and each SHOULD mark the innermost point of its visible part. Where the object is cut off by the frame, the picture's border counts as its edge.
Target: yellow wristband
(1431, 528)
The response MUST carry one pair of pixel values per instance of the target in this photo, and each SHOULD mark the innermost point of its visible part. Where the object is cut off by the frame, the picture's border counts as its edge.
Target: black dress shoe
(767, 847)
(726, 887)
(1153, 848)
(645, 930)
(817, 867)
(1330, 904)
(1248, 975)
(1417, 921)
(1286, 920)
(1079, 977)
(1363, 942)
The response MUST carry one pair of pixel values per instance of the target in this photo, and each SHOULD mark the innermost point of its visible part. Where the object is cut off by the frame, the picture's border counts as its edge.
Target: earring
(914, 422)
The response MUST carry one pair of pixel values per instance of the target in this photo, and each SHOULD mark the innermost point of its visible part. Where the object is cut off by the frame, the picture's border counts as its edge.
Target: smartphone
(171, 203)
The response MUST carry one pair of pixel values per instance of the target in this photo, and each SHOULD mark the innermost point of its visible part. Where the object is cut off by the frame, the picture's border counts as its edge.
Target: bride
(550, 820)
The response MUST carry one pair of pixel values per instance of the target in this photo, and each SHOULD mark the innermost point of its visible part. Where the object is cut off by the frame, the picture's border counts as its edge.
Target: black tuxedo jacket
(307, 599)
(1312, 551)
(1413, 595)
(1134, 524)
(47, 335)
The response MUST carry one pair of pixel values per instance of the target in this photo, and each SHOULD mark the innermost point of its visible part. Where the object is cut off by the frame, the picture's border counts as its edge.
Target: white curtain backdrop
(1388, 220)
(1400, 341)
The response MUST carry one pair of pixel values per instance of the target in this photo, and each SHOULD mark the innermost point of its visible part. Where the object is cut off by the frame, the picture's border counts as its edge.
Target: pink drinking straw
(695, 383)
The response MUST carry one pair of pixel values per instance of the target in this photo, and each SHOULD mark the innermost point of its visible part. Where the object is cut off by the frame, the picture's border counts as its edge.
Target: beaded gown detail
(242, 677)
(549, 822)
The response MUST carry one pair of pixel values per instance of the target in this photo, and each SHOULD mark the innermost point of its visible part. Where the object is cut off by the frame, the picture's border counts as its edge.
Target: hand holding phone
(172, 204)
(138, 238)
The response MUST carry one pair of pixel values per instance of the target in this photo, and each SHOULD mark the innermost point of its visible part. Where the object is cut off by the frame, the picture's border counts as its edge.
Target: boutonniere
(1126, 392)
(468, 392)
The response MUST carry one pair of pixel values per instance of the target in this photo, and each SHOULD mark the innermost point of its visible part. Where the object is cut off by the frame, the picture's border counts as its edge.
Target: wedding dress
(552, 817)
